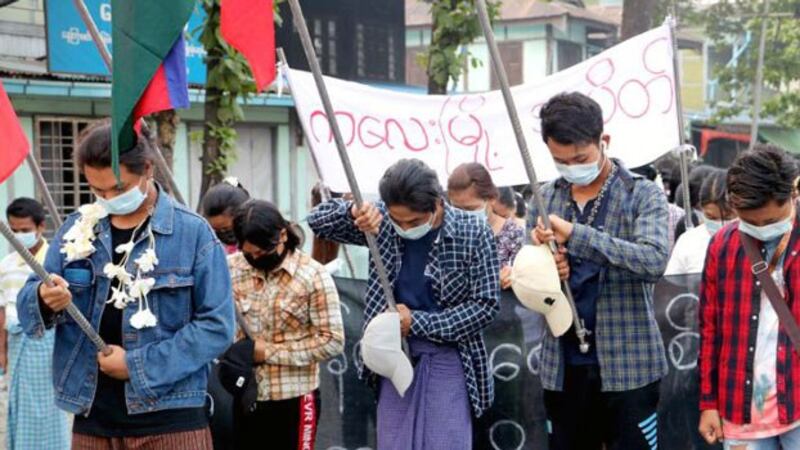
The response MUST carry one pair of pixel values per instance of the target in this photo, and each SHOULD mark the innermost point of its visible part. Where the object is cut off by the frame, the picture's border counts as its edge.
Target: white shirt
(689, 254)
(13, 274)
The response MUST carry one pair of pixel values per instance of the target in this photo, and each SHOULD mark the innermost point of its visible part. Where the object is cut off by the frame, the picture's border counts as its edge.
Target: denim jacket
(192, 299)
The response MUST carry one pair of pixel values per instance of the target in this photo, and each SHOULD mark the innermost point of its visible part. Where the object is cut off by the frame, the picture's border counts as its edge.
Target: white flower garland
(78, 244)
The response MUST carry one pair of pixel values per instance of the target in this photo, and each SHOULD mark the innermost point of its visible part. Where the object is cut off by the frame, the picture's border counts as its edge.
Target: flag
(149, 64)
(13, 142)
(249, 27)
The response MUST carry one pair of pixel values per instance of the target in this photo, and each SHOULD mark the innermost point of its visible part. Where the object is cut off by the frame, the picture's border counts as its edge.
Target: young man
(749, 369)
(152, 278)
(611, 227)
(34, 421)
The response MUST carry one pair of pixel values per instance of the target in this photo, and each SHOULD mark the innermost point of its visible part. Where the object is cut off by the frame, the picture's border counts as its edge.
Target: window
(511, 54)
(376, 57)
(56, 141)
(323, 34)
(569, 54)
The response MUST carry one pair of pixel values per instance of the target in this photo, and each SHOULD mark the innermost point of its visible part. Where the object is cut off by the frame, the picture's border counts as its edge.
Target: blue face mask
(582, 174)
(416, 233)
(713, 225)
(124, 204)
(767, 232)
(481, 212)
(28, 240)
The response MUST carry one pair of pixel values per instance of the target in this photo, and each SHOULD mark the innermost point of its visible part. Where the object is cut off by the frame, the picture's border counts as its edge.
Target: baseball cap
(535, 281)
(382, 351)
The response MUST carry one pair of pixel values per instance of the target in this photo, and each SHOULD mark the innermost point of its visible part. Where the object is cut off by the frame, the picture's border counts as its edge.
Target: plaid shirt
(633, 249)
(464, 272)
(730, 302)
(296, 311)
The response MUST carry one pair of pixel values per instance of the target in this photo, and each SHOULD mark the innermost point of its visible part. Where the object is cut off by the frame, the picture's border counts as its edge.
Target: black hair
(25, 207)
(713, 190)
(669, 168)
(224, 198)
(758, 176)
(260, 223)
(410, 183)
(507, 197)
(649, 171)
(572, 118)
(522, 206)
(697, 176)
(94, 150)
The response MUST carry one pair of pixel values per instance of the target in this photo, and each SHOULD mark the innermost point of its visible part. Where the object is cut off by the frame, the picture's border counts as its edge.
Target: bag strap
(761, 270)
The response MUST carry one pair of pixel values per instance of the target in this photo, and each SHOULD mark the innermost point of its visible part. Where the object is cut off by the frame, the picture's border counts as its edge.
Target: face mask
(582, 174)
(124, 204)
(416, 233)
(713, 225)
(227, 237)
(767, 232)
(28, 240)
(477, 213)
(266, 263)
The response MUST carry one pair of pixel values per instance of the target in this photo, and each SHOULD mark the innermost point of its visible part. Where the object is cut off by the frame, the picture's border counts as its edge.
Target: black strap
(761, 270)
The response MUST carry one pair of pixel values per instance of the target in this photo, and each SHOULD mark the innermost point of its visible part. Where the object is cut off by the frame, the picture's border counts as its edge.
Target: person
(697, 176)
(152, 278)
(610, 226)
(272, 274)
(470, 188)
(521, 215)
(689, 254)
(443, 269)
(34, 421)
(748, 366)
(219, 207)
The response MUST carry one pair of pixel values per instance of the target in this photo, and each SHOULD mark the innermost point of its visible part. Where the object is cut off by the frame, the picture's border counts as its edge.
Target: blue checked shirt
(464, 272)
(633, 248)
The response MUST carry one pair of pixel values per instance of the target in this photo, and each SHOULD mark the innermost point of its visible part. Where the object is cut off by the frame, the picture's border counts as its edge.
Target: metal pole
(48, 199)
(683, 149)
(72, 310)
(762, 42)
(160, 162)
(500, 72)
(308, 47)
(324, 191)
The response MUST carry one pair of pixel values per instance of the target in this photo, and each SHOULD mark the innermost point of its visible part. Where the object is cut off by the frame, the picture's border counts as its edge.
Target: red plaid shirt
(730, 302)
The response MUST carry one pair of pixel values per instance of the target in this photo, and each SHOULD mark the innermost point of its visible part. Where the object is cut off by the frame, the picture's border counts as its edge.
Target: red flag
(249, 27)
(13, 142)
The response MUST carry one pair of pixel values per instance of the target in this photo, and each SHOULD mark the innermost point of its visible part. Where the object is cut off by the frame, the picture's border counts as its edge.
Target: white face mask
(769, 232)
(583, 174)
(416, 233)
(480, 212)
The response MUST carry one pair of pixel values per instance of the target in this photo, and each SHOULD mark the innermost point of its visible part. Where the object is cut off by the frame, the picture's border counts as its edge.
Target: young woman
(290, 304)
(443, 268)
(150, 276)
(219, 207)
(689, 254)
(471, 188)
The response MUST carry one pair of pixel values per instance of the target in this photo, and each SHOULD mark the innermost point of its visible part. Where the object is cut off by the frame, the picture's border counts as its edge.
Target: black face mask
(227, 237)
(266, 263)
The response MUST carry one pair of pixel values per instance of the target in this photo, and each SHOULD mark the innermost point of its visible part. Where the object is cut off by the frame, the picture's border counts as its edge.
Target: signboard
(70, 48)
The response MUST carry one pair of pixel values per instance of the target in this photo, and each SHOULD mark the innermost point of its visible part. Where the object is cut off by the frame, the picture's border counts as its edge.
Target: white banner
(633, 82)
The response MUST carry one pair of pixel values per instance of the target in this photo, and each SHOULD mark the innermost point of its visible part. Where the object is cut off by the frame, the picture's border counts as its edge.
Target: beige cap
(535, 281)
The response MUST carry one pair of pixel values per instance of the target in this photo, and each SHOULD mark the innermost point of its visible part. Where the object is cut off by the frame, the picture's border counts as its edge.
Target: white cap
(382, 351)
(535, 281)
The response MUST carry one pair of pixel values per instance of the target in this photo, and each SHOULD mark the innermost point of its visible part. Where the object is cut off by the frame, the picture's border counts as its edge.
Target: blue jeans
(786, 441)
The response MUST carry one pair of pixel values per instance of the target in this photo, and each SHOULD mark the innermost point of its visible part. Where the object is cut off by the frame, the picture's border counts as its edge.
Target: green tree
(729, 21)
(455, 25)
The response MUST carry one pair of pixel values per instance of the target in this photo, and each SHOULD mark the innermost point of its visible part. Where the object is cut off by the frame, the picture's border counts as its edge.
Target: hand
(562, 263)
(505, 277)
(114, 364)
(560, 233)
(57, 297)
(711, 426)
(367, 218)
(260, 351)
(4, 358)
(405, 320)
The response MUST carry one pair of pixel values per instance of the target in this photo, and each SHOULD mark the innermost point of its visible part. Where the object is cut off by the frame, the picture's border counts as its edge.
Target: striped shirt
(13, 274)
(295, 309)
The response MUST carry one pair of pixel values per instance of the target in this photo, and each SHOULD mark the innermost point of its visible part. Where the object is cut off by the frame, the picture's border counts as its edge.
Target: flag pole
(48, 199)
(308, 47)
(324, 191)
(500, 72)
(72, 310)
(683, 150)
(160, 162)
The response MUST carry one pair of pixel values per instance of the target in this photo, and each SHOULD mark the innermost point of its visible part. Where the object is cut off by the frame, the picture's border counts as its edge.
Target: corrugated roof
(418, 12)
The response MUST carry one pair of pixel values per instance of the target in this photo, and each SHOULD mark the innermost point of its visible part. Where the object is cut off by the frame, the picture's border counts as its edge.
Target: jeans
(789, 440)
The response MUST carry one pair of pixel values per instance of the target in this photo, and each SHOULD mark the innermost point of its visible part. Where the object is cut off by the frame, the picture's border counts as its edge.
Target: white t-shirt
(689, 254)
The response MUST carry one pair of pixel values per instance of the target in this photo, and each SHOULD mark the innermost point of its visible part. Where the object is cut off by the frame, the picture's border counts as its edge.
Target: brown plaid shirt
(296, 311)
